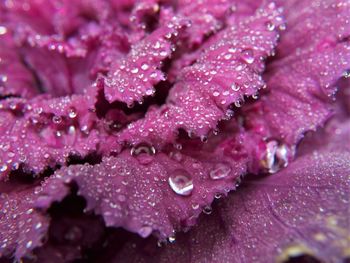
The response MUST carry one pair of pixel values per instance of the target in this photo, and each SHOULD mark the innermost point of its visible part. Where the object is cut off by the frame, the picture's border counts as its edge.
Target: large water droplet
(276, 156)
(248, 56)
(220, 171)
(181, 182)
(145, 231)
(143, 152)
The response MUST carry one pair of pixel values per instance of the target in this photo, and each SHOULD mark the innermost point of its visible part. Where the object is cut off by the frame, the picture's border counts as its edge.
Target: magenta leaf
(44, 132)
(17, 79)
(133, 77)
(147, 192)
(227, 70)
(22, 227)
(127, 119)
(300, 211)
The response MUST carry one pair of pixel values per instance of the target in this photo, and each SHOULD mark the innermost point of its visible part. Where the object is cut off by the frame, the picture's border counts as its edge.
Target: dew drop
(145, 231)
(238, 182)
(29, 244)
(3, 30)
(255, 96)
(270, 26)
(195, 206)
(238, 104)
(149, 92)
(217, 196)
(216, 93)
(228, 56)
(346, 74)
(57, 119)
(171, 239)
(143, 152)
(207, 210)
(204, 139)
(72, 113)
(134, 70)
(181, 182)
(220, 171)
(276, 156)
(232, 50)
(235, 87)
(144, 66)
(3, 168)
(282, 27)
(142, 148)
(248, 56)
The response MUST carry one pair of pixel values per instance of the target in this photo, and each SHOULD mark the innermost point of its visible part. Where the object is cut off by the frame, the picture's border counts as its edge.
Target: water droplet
(3, 30)
(144, 66)
(57, 119)
(276, 156)
(255, 96)
(145, 231)
(232, 49)
(238, 182)
(216, 93)
(29, 244)
(195, 206)
(181, 182)
(282, 27)
(143, 152)
(72, 113)
(207, 210)
(228, 56)
(150, 92)
(204, 139)
(248, 56)
(134, 70)
(171, 239)
(142, 148)
(270, 26)
(346, 74)
(238, 104)
(157, 45)
(235, 87)
(217, 196)
(3, 168)
(220, 171)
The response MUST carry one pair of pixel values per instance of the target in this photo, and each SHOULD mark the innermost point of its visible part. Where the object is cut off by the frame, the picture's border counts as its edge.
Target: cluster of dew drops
(180, 181)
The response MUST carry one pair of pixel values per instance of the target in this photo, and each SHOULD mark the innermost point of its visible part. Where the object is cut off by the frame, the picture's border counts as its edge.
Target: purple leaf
(22, 227)
(44, 132)
(225, 72)
(302, 210)
(147, 192)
